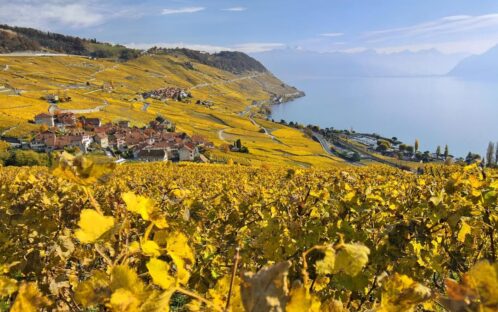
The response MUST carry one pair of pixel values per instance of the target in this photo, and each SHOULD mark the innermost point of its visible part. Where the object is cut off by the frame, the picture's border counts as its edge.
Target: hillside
(113, 90)
(482, 66)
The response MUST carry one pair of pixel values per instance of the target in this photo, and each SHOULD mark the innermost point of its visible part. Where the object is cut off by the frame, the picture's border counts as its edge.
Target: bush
(27, 158)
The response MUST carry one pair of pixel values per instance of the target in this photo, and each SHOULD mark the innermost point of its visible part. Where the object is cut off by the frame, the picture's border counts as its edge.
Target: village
(158, 141)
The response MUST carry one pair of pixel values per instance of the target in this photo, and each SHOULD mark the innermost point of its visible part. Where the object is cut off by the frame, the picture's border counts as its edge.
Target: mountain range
(301, 63)
(484, 66)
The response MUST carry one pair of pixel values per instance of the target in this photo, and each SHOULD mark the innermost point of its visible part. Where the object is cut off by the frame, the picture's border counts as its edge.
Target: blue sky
(450, 26)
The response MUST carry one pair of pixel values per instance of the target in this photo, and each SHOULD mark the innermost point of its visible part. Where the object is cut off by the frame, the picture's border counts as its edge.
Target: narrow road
(221, 136)
(369, 155)
(324, 143)
(7, 130)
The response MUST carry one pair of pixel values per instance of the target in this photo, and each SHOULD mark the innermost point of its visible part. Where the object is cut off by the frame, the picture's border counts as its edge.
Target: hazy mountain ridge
(478, 66)
(294, 62)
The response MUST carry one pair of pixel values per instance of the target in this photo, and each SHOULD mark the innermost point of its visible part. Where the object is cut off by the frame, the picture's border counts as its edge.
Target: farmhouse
(45, 119)
(149, 155)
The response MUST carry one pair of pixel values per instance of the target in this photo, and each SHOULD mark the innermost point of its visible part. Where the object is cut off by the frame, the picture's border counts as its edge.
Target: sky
(386, 26)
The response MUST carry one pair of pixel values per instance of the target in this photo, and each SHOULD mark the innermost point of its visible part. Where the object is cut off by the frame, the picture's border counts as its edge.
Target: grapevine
(192, 237)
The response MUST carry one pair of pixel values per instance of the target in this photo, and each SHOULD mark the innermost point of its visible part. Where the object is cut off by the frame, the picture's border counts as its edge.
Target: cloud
(472, 46)
(257, 47)
(49, 13)
(332, 34)
(450, 34)
(450, 25)
(243, 47)
(172, 45)
(182, 10)
(235, 9)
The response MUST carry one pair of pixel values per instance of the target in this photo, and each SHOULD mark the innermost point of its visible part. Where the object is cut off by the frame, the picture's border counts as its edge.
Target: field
(114, 87)
(186, 237)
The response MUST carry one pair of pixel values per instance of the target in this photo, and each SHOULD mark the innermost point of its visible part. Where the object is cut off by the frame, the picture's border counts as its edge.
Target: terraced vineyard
(114, 88)
(159, 237)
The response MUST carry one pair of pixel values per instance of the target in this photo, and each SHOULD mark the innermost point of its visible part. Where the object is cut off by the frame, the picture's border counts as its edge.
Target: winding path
(221, 135)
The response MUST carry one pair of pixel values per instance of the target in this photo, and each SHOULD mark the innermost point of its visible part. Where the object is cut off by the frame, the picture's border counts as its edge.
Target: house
(117, 141)
(101, 139)
(82, 141)
(13, 142)
(90, 123)
(150, 155)
(188, 152)
(37, 146)
(45, 119)
(65, 119)
(124, 123)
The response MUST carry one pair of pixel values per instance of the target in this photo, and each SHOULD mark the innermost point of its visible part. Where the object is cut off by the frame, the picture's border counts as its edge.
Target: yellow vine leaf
(301, 300)
(134, 247)
(327, 264)
(141, 205)
(81, 170)
(94, 290)
(182, 255)
(332, 305)
(351, 258)
(219, 294)
(123, 277)
(151, 248)
(464, 230)
(157, 301)
(124, 300)
(159, 271)
(30, 299)
(92, 225)
(401, 293)
(8, 286)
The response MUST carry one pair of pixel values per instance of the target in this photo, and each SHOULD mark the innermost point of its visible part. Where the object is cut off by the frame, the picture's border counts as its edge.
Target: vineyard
(188, 237)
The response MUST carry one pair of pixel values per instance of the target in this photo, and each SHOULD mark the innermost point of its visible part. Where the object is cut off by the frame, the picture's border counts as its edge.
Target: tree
(27, 158)
(472, 158)
(438, 151)
(490, 153)
(410, 149)
(496, 153)
(4, 152)
(446, 151)
(238, 144)
(383, 145)
(356, 157)
(417, 143)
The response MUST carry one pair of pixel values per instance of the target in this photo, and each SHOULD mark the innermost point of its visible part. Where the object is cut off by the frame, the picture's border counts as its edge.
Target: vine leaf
(327, 264)
(351, 258)
(182, 255)
(401, 293)
(8, 286)
(266, 290)
(302, 300)
(30, 299)
(92, 225)
(159, 271)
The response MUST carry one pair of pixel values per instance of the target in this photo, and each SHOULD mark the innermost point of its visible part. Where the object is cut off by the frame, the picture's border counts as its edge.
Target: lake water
(436, 110)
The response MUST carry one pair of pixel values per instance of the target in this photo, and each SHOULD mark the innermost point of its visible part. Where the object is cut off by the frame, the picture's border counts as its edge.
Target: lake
(436, 110)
